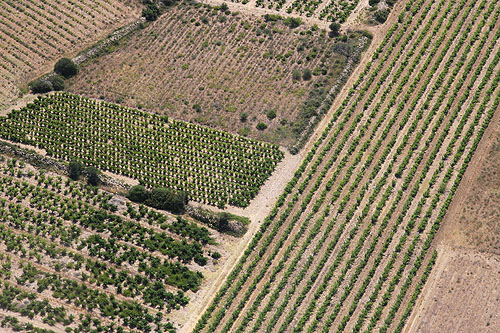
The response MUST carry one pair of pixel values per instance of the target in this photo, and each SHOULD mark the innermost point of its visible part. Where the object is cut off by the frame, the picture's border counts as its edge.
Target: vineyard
(75, 258)
(350, 243)
(226, 70)
(210, 166)
(34, 34)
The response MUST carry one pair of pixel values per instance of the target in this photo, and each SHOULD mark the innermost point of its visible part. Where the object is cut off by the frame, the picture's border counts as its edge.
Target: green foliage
(167, 199)
(41, 86)
(381, 15)
(261, 126)
(197, 107)
(66, 67)
(373, 2)
(138, 193)
(57, 82)
(92, 176)
(151, 12)
(306, 74)
(293, 22)
(75, 169)
(243, 117)
(271, 114)
(296, 75)
(334, 29)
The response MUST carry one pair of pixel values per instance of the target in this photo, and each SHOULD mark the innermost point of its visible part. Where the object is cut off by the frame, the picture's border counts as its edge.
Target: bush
(164, 198)
(57, 82)
(243, 117)
(197, 107)
(75, 169)
(93, 176)
(66, 67)
(261, 126)
(151, 12)
(138, 193)
(296, 75)
(373, 2)
(293, 22)
(271, 114)
(41, 86)
(306, 74)
(381, 15)
(334, 29)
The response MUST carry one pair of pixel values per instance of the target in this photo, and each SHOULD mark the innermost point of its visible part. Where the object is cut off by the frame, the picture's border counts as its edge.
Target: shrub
(306, 74)
(66, 67)
(334, 29)
(197, 107)
(41, 86)
(261, 126)
(75, 169)
(373, 2)
(381, 15)
(293, 22)
(243, 117)
(271, 114)
(138, 193)
(296, 75)
(93, 176)
(164, 198)
(57, 82)
(223, 7)
(151, 12)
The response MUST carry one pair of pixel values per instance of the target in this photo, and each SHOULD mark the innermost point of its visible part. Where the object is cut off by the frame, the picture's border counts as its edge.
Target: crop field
(75, 257)
(211, 166)
(33, 34)
(350, 243)
(228, 71)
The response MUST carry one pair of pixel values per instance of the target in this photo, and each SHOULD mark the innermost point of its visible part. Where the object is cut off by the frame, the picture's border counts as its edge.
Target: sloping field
(228, 71)
(77, 258)
(34, 34)
(350, 244)
(211, 166)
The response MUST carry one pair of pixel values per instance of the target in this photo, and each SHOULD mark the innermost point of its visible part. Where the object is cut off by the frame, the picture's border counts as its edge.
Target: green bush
(334, 29)
(381, 15)
(138, 193)
(151, 12)
(75, 169)
(93, 176)
(164, 198)
(66, 67)
(271, 114)
(41, 86)
(243, 117)
(296, 75)
(57, 82)
(261, 126)
(306, 74)
(197, 107)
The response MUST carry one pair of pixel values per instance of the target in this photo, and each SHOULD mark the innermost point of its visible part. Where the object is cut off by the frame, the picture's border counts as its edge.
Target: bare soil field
(35, 34)
(229, 71)
(462, 295)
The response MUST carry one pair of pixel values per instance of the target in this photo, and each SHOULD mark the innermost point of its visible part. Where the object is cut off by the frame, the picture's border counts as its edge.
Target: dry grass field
(35, 34)
(228, 71)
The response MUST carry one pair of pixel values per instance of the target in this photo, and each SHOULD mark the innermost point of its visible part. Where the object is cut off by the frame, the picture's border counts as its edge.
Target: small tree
(151, 12)
(41, 86)
(93, 176)
(57, 82)
(271, 114)
(66, 67)
(261, 126)
(75, 169)
(296, 75)
(243, 117)
(307, 74)
(381, 15)
(334, 29)
(138, 193)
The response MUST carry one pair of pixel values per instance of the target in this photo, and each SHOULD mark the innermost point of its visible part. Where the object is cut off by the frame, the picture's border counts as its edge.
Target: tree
(75, 169)
(41, 86)
(334, 29)
(151, 12)
(381, 15)
(57, 82)
(243, 117)
(138, 193)
(66, 67)
(261, 126)
(164, 198)
(93, 176)
(307, 74)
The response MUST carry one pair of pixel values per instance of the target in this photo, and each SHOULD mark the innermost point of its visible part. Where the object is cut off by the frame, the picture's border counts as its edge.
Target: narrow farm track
(350, 242)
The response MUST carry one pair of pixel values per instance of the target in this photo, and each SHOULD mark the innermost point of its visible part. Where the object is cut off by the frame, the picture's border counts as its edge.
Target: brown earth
(35, 34)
